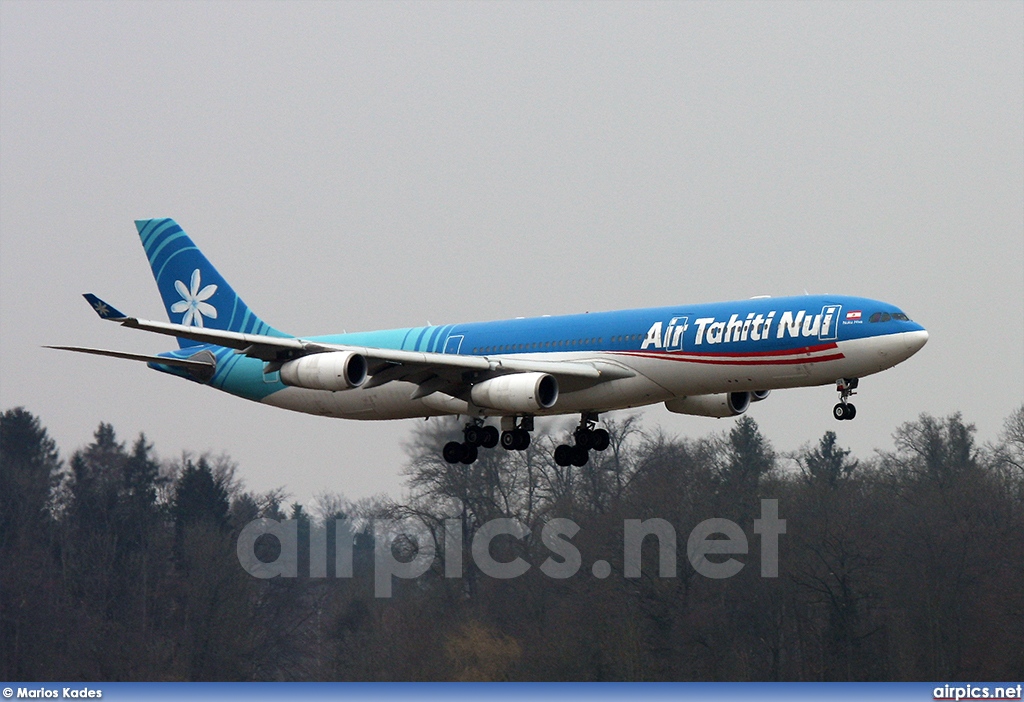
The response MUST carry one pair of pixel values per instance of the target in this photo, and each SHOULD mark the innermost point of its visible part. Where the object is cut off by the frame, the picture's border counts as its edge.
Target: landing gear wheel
(601, 439)
(469, 453)
(452, 452)
(851, 411)
(515, 440)
(508, 440)
(839, 411)
(490, 437)
(563, 455)
(584, 438)
(474, 435)
(580, 456)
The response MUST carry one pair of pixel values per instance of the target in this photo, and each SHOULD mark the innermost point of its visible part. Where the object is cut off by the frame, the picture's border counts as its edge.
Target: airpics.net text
(417, 548)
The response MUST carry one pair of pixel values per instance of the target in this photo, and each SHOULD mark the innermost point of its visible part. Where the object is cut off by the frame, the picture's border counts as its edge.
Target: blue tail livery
(194, 293)
(708, 359)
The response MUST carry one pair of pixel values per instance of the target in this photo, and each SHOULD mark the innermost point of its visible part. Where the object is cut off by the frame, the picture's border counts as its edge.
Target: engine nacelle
(517, 392)
(334, 370)
(758, 395)
(730, 404)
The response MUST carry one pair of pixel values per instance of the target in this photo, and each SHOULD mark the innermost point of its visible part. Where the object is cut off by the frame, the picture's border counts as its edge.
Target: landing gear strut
(586, 437)
(845, 387)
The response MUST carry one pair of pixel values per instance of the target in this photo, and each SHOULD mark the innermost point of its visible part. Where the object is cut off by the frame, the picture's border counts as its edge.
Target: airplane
(711, 359)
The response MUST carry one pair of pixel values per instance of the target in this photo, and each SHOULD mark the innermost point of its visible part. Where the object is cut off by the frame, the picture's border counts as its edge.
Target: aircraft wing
(430, 370)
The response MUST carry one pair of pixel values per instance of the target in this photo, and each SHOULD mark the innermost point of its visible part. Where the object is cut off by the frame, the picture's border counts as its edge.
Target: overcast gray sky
(369, 165)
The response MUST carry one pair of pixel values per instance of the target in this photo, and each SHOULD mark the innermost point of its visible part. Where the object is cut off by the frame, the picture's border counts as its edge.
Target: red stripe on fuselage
(738, 354)
(754, 358)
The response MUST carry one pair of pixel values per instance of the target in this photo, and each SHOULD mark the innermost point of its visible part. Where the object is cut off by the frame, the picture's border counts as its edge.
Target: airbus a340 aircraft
(707, 359)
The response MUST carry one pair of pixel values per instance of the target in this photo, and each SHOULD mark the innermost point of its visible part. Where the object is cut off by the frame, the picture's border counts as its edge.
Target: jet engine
(517, 392)
(730, 404)
(334, 370)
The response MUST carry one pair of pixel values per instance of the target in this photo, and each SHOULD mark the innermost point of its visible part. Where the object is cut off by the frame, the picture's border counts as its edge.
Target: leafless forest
(904, 565)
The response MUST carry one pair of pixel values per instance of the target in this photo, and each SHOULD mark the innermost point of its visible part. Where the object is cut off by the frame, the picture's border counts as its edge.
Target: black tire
(839, 411)
(563, 455)
(490, 437)
(584, 438)
(452, 452)
(601, 439)
(580, 456)
(522, 439)
(470, 453)
(508, 440)
(474, 435)
(851, 411)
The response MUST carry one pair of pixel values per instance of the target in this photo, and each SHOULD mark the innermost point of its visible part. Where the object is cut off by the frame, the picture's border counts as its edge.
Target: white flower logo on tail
(193, 301)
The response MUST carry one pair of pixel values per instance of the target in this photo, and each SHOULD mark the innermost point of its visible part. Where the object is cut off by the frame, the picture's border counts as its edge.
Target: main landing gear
(586, 437)
(845, 387)
(477, 434)
(516, 437)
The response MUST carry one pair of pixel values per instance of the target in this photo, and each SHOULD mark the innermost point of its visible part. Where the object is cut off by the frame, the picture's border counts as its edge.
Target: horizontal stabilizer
(163, 360)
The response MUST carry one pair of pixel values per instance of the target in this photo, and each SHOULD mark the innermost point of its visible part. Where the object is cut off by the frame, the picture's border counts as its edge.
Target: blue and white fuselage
(709, 359)
(674, 352)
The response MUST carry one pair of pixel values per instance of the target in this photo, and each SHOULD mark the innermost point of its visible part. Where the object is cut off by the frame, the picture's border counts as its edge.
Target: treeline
(907, 565)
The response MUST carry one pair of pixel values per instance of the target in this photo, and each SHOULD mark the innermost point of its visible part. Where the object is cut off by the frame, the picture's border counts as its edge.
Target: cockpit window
(885, 317)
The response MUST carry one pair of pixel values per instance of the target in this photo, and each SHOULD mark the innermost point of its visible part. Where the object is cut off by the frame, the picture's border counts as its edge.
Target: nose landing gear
(845, 387)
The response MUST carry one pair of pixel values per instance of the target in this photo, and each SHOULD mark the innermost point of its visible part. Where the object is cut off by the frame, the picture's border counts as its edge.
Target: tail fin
(194, 293)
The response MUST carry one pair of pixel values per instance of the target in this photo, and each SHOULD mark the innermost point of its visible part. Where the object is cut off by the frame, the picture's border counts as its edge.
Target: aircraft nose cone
(915, 340)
